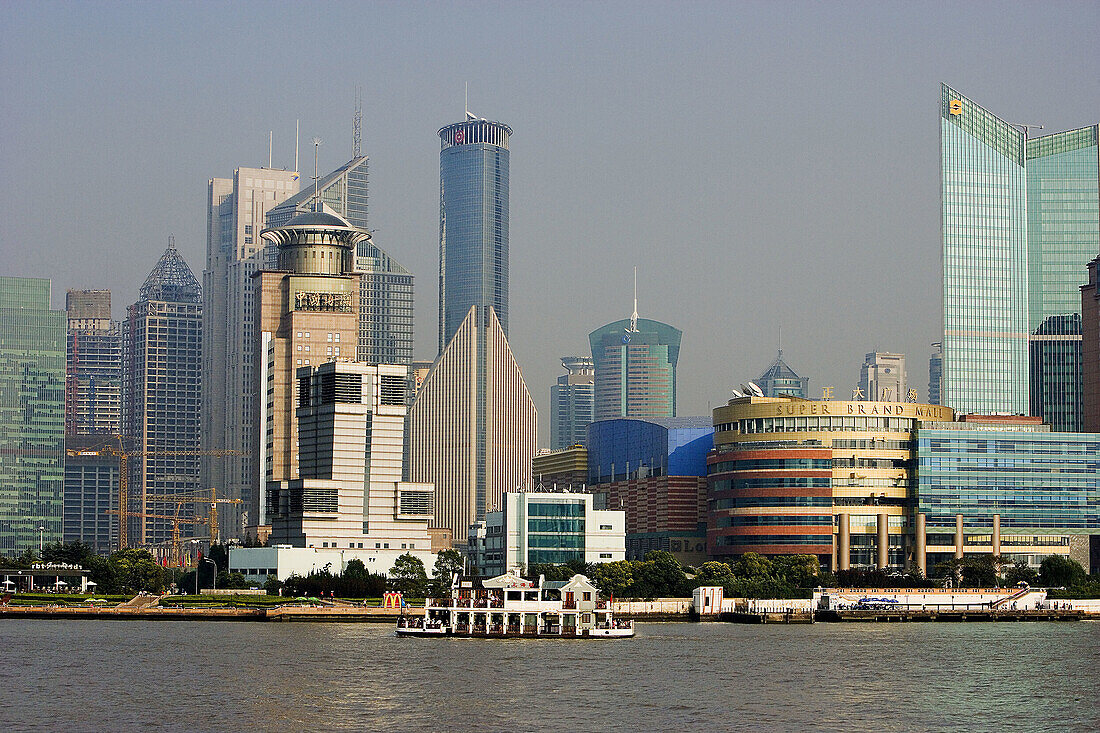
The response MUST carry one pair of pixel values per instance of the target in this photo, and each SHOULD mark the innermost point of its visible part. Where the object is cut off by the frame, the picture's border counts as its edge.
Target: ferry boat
(509, 606)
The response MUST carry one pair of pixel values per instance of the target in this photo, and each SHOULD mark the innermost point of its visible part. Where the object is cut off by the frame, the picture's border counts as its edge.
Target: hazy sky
(764, 165)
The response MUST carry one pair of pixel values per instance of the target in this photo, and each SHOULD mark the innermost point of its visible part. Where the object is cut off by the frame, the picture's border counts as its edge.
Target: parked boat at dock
(510, 606)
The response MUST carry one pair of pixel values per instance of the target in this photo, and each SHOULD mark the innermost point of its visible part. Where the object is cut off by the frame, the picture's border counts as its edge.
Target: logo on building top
(330, 302)
(460, 137)
(955, 106)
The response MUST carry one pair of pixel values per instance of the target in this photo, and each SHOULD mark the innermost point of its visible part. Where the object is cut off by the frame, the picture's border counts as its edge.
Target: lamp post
(193, 543)
(214, 582)
(41, 534)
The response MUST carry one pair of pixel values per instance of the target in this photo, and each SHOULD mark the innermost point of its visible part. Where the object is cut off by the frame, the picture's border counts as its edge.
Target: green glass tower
(1021, 220)
(32, 415)
(1063, 235)
(985, 288)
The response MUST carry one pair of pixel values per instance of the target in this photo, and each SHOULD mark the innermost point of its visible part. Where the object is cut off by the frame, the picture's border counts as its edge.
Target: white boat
(509, 606)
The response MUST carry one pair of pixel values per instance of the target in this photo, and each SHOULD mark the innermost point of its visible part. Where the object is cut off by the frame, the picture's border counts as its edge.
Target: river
(230, 676)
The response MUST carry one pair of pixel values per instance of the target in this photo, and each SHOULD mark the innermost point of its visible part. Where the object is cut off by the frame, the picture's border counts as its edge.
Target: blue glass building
(473, 223)
(1044, 486)
(620, 449)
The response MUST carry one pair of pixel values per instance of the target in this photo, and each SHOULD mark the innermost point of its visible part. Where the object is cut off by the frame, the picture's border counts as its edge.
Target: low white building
(348, 501)
(282, 561)
(536, 527)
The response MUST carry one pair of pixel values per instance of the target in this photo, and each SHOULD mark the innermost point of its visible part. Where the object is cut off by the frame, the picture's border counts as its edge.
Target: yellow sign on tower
(955, 106)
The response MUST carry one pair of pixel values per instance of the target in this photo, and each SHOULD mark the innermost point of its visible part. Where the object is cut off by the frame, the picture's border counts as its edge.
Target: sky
(767, 166)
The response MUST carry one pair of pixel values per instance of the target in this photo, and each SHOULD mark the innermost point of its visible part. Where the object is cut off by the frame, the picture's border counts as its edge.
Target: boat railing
(569, 604)
(601, 604)
(513, 628)
(496, 628)
(462, 628)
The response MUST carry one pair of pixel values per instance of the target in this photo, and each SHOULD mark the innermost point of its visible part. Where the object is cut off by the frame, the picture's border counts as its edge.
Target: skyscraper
(935, 374)
(236, 212)
(472, 426)
(386, 286)
(635, 361)
(1063, 234)
(473, 223)
(1020, 221)
(162, 394)
(93, 383)
(307, 314)
(779, 380)
(882, 377)
(93, 368)
(571, 402)
(32, 419)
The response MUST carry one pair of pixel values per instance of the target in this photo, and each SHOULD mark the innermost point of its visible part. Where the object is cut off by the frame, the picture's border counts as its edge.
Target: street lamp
(41, 534)
(193, 543)
(214, 582)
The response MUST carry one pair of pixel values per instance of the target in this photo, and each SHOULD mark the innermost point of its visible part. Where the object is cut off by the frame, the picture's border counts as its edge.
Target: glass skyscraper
(473, 223)
(571, 403)
(1021, 219)
(1063, 233)
(984, 188)
(32, 415)
(635, 369)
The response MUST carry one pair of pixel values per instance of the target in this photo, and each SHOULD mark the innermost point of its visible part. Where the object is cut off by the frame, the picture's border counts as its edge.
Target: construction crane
(195, 498)
(123, 474)
(176, 522)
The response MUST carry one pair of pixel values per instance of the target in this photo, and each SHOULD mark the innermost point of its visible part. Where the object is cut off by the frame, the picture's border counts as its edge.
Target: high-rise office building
(162, 396)
(935, 374)
(1063, 234)
(1021, 218)
(93, 384)
(472, 426)
(237, 208)
(882, 377)
(93, 365)
(635, 361)
(386, 286)
(1090, 349)
(307, 314)
(32, 415)
(779, 380)
(571, 401)
(473, 223)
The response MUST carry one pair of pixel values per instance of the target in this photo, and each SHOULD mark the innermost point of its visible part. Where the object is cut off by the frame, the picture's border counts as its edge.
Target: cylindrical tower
(316, 243)
(473, 223)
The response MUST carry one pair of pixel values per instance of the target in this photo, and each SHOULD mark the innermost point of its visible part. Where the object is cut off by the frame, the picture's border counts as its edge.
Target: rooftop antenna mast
(296, 145)
(468, 115)
(357, 124)
(270, 139)
(634, 315)
(316, 175)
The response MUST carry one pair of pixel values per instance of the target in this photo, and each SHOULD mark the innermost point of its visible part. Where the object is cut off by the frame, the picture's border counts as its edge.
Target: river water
(230, 676)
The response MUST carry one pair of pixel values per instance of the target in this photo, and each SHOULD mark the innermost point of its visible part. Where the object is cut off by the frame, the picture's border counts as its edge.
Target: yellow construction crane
(196, 498)
(123, 475)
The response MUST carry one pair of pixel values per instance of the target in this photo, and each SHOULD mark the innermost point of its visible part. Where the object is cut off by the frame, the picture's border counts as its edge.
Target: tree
(72, 553)
(1021, 572)
(408, 576)
(234, 580)
(613, 578)
(137, 571)
(273, 585)
(659, 575)
(713, 573)
(1058, 571)
(799, 571)
(447, 563)
(753, 565)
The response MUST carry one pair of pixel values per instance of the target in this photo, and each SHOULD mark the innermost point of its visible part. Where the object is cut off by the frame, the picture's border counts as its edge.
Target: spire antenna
(270, 140)
(357, 124)
(296, 145)
(634, 315)
(316, 175)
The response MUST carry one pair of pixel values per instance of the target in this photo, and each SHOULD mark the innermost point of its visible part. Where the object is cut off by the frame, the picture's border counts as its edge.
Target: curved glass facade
(473, 223)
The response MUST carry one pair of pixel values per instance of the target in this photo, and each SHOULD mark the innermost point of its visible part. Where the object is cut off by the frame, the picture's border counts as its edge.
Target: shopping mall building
(895, 484)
